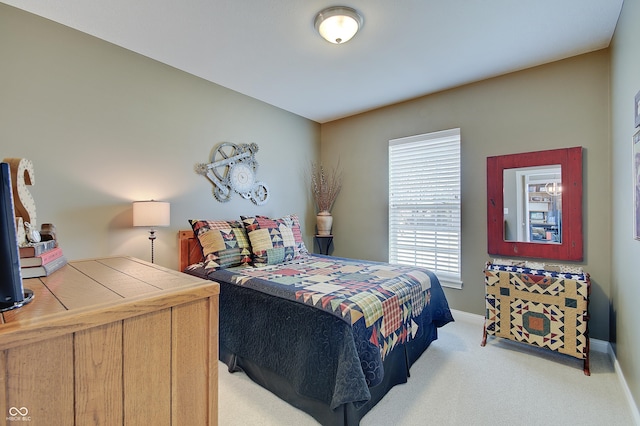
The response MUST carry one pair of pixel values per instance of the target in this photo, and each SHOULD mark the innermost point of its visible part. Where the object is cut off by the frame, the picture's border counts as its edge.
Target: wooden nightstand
(324, 243)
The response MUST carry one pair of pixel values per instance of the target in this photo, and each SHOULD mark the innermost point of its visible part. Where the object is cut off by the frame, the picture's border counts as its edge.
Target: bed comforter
(326, 324)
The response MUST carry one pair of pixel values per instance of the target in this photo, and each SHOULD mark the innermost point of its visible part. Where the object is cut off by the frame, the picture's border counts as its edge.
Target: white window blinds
(424, 203)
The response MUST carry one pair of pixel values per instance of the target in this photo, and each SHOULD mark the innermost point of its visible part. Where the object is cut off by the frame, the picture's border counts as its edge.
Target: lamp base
(152, 237)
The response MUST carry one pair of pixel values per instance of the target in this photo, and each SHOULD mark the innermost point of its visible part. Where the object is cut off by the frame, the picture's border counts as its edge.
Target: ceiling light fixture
(338, 24)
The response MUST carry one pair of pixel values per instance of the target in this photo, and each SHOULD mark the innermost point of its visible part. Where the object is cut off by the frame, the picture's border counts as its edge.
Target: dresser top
(88, 293)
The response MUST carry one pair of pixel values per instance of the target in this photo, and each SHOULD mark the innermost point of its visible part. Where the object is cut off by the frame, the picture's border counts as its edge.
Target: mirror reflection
(565, 208)
(533, 204)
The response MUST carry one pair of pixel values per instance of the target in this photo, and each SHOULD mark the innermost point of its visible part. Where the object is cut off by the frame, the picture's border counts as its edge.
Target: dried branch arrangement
(325, 186)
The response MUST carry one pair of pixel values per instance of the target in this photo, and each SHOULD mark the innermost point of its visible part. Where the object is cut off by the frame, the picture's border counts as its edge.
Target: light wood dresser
(112, 341)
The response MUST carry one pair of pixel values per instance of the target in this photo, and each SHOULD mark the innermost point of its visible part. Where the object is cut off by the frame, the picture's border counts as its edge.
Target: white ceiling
(269, 50)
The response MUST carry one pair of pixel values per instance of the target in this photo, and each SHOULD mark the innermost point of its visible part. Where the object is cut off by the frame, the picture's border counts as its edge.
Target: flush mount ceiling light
(338, 24)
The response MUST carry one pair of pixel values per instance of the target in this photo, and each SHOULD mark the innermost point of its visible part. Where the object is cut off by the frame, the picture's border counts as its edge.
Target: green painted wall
(625, 251)
(562, 104)
(104, 126)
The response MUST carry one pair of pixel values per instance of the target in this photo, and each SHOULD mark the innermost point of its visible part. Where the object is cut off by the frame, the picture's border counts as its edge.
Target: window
(424, 203)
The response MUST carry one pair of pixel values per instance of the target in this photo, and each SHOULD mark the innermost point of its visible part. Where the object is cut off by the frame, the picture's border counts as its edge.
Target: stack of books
(41, 259)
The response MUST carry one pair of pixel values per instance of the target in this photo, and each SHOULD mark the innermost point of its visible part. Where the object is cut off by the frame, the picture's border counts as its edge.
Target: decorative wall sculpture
(233, 168)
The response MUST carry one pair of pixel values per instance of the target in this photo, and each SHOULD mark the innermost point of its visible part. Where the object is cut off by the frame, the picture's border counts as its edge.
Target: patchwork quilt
(539, 307)
(385, 304)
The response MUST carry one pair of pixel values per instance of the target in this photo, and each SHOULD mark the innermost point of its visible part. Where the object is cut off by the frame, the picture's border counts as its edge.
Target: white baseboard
(596, 345)
(467, 316)
(604, 346)
(601, 346)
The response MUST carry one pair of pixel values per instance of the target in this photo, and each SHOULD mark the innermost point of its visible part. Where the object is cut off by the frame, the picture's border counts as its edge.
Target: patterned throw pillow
(224, 243)
(274, 240)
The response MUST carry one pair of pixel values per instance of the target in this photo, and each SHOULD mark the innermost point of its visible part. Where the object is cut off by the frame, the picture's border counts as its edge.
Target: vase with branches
(325, 186)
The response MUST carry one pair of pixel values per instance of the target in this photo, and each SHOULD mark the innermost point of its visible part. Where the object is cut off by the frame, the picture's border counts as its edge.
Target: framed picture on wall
(637, 109)
(636, 185)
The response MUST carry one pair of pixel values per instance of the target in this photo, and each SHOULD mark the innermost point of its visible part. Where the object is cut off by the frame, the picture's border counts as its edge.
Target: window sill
(450, 283)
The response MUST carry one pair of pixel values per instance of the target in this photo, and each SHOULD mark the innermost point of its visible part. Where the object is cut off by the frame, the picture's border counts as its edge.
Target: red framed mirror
(534, 204)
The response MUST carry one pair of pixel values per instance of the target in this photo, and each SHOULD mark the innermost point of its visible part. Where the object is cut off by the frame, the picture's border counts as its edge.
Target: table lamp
(152, 214)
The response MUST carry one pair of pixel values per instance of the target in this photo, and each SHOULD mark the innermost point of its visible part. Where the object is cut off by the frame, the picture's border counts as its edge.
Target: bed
(328, 335)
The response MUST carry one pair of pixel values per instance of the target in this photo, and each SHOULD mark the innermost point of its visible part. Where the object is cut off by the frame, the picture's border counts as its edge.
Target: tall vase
(324, 220)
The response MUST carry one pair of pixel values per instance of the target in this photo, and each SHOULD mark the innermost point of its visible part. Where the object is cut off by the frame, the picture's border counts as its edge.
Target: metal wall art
(233, 168)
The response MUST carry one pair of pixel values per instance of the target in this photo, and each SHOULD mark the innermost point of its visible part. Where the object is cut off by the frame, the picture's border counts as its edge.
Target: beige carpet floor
(458, 382)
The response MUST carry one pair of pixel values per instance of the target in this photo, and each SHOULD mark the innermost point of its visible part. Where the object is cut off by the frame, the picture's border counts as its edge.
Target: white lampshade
(338, 24)
(151, 213)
